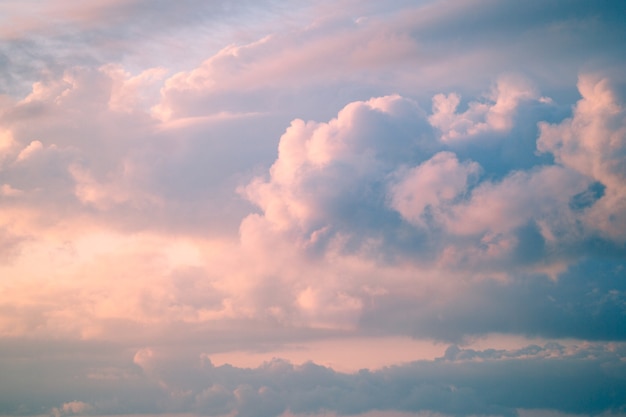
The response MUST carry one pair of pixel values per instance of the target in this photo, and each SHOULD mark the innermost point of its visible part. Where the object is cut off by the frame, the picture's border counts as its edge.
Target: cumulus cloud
(130, 92)
(348, 200)
(432, 186)
(494, 115)
(86, 143)
(67, 144)
(542, 195)
(215, 178)
(326, 171)
(343, 181)
(32, 148)
(525, 223)
(593, 143)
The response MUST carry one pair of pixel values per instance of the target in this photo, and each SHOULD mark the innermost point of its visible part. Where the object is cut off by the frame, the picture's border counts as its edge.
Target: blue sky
(272, 208)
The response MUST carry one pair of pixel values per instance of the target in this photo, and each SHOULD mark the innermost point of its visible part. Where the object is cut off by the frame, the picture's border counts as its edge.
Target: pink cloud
(495, 114)
(291, 61)
(32, 148)
(433, 185)
(132, 93)
(593, 142)
(319, 162)
(542, 195)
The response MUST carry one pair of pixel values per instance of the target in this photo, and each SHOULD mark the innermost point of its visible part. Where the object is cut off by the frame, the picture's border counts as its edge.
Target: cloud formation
(462, 382)
(593, 143)
(493, 116)
(180, 183)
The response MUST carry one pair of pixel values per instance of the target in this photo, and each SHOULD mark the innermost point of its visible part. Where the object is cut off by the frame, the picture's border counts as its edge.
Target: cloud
(6, 142)
(204, 179)
(525, 225)
(542, 195)
(85, 143)
(325, 171)
(131, 92)
(431, 186)
(72, 408)
(32, 148)
(369, 200)
(586, 302)
(246, 76)
(493, 116)
(462, 382)
(593, 142)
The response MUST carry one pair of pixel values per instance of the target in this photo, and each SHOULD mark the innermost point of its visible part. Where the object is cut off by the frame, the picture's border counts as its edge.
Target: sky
(279, 208)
